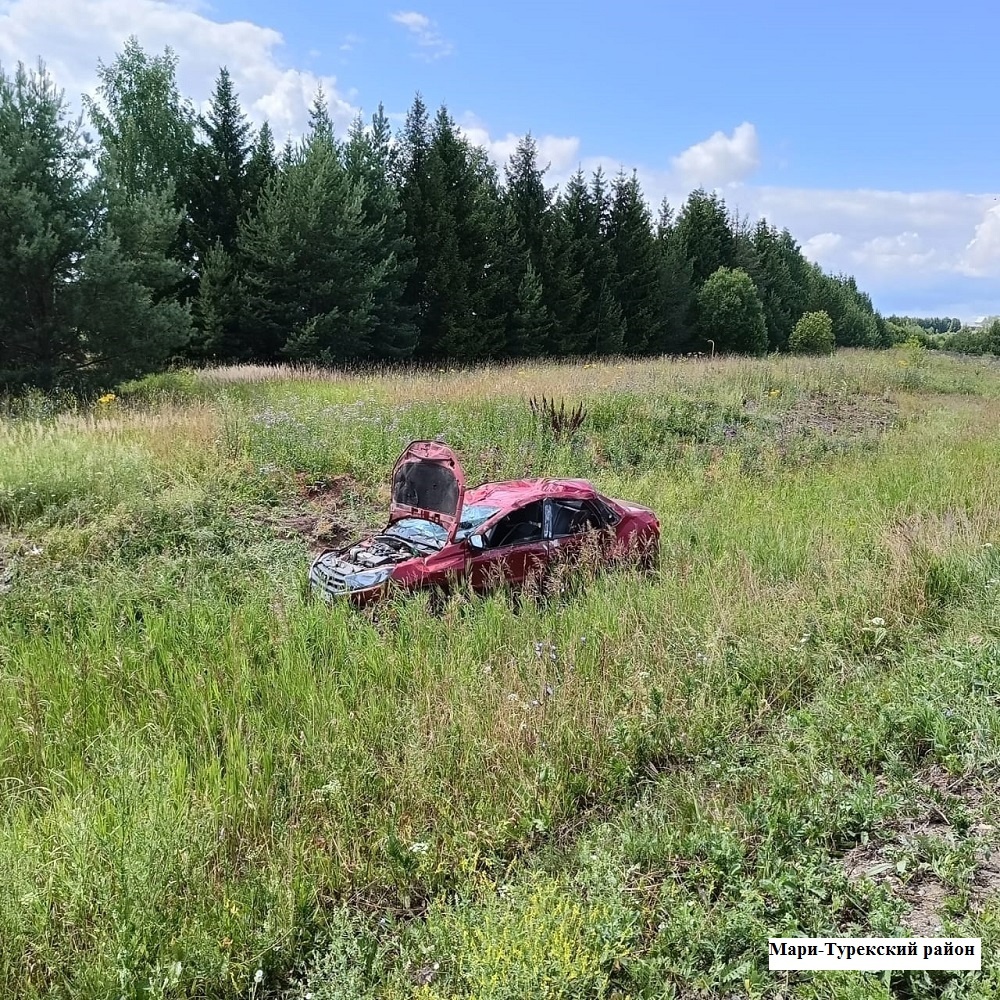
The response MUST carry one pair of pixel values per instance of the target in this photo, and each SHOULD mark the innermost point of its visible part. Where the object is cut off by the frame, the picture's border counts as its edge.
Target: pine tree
(129, 316)
(46, 211)
(320, 122)
(85, 265)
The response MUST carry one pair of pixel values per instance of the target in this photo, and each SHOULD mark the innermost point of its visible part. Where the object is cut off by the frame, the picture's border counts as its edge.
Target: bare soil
(320, 512)
(842, 418)
(925, 894)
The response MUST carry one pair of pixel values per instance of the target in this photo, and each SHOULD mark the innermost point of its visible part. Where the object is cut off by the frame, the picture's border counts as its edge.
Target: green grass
(216, 787)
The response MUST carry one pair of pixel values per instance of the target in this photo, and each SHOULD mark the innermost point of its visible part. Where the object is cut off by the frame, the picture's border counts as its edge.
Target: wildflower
(258, 976)
(419, 847)
(107, 398)
(774, 392)
(878, 622)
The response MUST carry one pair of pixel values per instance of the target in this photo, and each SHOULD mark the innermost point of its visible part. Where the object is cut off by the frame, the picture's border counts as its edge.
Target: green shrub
(813, 334)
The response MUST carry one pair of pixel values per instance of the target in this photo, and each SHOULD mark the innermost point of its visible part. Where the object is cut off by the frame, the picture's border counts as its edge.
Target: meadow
(214, 786)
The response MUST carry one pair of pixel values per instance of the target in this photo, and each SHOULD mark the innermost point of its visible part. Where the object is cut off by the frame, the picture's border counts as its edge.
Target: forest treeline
(164, 236)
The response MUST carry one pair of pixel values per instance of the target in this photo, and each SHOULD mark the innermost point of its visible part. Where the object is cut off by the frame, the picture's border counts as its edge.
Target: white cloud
(431, 45)
(818, 248)
(904, 250)
(882, 234)
(72, 35)
(720, 159)
(559, 153)
(982, 255)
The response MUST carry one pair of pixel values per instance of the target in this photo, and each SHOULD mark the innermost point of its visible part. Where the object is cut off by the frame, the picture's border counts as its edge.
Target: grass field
(213, 786)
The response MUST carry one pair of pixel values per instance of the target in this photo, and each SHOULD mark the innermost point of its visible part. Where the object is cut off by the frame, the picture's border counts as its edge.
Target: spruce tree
(531, 324)
(676, 284)
(219, 185)
(368, 158)
(636, 266)
(413, 183)
(313, 264)
(450, 197)
(261, 166)
(705, 236)
(530, 202)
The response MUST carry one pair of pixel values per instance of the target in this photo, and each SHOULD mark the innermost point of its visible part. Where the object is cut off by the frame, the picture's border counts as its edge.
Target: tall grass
(208, 777)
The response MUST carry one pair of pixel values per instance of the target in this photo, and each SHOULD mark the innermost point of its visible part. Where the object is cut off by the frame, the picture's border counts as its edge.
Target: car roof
(515, 492)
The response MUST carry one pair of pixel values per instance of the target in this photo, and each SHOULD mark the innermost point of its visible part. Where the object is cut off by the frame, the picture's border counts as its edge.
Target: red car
(439, 534)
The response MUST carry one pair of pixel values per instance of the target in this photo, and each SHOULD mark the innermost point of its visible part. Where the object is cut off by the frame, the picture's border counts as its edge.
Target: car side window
(521, 525)
(571, 517)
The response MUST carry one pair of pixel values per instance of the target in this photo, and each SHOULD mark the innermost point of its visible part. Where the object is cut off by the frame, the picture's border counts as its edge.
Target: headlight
(367, 578)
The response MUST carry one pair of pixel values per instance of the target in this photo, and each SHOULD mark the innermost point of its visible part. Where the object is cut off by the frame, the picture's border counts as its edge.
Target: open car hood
(428, 482)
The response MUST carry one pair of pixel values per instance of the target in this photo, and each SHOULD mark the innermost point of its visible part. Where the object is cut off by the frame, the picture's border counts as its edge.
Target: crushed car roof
(516, 491)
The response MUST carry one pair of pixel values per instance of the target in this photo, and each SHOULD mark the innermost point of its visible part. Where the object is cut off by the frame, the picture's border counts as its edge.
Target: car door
(513, 548)
(574, 530)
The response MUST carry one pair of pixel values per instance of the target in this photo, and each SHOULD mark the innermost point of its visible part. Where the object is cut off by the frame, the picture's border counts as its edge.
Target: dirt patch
(858, 416)
(322, 512)
(900, 861)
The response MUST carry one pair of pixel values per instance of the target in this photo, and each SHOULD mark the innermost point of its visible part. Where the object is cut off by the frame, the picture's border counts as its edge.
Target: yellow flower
(108, 397)
(775, 392)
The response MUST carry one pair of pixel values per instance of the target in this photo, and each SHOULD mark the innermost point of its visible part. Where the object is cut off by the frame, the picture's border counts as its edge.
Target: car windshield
(473, 515)
(422, 532)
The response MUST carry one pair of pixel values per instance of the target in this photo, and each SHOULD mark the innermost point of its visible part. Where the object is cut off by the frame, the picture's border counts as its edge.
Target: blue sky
(869, 129)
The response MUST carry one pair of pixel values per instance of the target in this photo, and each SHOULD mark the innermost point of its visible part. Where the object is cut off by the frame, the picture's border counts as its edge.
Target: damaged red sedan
(440, 534)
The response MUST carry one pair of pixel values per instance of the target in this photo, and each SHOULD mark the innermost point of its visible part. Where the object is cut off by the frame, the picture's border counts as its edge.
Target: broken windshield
(421, 532)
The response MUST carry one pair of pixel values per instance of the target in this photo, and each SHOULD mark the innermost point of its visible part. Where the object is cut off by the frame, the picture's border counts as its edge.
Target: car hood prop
(428, 482)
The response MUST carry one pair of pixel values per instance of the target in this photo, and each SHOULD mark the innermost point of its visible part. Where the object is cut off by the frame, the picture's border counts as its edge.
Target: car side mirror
(476, 542)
